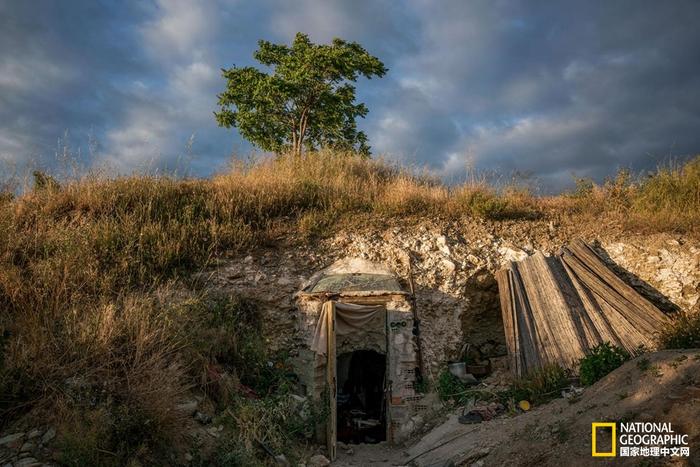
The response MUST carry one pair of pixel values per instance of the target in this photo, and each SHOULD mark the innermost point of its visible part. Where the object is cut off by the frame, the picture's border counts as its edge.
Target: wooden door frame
(332, 379)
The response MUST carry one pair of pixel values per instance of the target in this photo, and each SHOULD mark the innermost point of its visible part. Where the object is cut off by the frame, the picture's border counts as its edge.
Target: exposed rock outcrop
(453, 265)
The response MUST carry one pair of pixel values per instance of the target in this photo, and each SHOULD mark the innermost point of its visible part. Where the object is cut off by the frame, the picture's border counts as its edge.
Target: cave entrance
(361, 402)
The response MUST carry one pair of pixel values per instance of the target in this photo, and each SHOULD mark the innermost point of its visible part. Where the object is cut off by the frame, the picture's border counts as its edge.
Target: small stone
(511, 254)
(48, 436)
(248, 259)
(189, 407)
(27, 462)
(34, 433)
(202, 418)
(449, 266)
(284, 281)
(12, 441)
(27, 447)
(188, 457)
(319, 460)
(442, 245)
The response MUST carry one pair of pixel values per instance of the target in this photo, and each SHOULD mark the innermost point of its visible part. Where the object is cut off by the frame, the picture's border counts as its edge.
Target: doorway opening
(361, 397)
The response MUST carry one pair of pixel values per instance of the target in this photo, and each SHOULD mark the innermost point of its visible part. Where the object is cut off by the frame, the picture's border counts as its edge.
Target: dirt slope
(659, 387)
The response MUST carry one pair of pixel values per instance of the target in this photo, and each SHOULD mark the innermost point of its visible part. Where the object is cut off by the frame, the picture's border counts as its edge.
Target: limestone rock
(189, 407)
(48, 436)
(12, 441)
(511, 254)
(27, 462)
(319, 460)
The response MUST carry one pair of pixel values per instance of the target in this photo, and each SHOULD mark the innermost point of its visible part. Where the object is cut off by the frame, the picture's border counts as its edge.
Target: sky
(547, 90)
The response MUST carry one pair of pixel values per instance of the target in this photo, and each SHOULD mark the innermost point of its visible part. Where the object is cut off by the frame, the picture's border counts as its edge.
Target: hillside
(130, 304)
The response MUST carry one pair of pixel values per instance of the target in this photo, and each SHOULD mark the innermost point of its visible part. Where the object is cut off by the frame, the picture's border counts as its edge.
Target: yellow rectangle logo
(596, 425)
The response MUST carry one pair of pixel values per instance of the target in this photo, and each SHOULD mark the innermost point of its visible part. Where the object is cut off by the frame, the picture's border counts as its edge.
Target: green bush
(682, 333)
(601, 360)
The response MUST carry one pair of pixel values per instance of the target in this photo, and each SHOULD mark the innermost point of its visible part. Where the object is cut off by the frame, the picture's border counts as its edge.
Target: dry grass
(667, 200)
(80, 264)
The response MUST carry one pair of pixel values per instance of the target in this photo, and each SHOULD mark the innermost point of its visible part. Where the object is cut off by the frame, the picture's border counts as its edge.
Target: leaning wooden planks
(557, 308)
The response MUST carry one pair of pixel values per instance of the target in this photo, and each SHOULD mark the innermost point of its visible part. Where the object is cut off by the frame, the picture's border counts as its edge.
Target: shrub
(600, 361)
(682, 333)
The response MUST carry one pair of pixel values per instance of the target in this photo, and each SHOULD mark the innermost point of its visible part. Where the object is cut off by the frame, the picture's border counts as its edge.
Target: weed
(683, 332)
(561, 432)
(539, 386)
(449, 387)
(643, 364)
(600, 361)
(422, 386)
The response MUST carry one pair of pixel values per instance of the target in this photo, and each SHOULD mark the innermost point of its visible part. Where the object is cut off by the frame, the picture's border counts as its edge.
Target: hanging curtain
(348, 318)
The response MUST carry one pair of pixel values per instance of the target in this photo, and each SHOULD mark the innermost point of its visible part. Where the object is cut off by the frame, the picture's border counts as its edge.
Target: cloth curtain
(348, 318)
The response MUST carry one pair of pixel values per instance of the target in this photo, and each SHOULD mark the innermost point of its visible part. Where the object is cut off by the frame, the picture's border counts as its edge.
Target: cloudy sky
(543, 88)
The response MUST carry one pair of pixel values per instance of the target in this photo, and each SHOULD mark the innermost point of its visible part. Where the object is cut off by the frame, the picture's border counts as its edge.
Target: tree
(308, 101)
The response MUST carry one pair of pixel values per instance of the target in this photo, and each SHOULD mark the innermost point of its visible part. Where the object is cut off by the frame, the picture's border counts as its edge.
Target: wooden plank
(587, 333)
(644, 310)
(519, 356)
(559, 338)
(332, 422)
(604, 329)
(505, 294)
(555, 309)
(528, 339)
(605, 292)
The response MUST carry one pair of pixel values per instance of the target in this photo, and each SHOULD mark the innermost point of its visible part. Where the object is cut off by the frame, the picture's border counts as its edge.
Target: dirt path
(366, 455)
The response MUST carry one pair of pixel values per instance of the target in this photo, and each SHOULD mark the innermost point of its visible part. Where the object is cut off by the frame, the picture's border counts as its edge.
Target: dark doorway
(361, 402)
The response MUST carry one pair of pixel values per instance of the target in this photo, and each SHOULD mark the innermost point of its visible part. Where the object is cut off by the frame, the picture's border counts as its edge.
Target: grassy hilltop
(91, 268)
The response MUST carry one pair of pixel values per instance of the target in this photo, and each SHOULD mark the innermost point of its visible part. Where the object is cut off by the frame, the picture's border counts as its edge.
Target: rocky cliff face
(453, 266)
(669, 264)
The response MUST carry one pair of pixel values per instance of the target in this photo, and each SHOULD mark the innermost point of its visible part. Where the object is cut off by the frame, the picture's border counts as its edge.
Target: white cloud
(180, 27)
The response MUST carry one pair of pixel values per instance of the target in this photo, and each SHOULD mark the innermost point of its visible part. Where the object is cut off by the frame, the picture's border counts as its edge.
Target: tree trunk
(299, 141)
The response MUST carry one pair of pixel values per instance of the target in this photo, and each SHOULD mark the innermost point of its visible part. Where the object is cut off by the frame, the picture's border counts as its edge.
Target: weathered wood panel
(555, 309)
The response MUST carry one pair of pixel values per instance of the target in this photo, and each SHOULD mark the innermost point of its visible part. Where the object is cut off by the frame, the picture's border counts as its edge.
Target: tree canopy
(306, 102)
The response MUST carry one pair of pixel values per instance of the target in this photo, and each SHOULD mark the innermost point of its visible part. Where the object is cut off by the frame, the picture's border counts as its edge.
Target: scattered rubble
(26, 449)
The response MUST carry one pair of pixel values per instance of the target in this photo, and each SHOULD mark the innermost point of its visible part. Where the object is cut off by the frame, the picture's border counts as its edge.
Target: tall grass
(667, 200)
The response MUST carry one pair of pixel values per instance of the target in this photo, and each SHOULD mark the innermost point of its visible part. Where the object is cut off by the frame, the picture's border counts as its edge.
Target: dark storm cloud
(548, 88)
(555, 89)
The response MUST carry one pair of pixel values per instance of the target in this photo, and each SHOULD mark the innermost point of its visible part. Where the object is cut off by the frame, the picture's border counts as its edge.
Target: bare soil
(657, 387)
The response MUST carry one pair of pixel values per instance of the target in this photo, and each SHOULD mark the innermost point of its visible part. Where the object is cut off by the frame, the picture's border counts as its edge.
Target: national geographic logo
(605, 427)
(637, 439)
